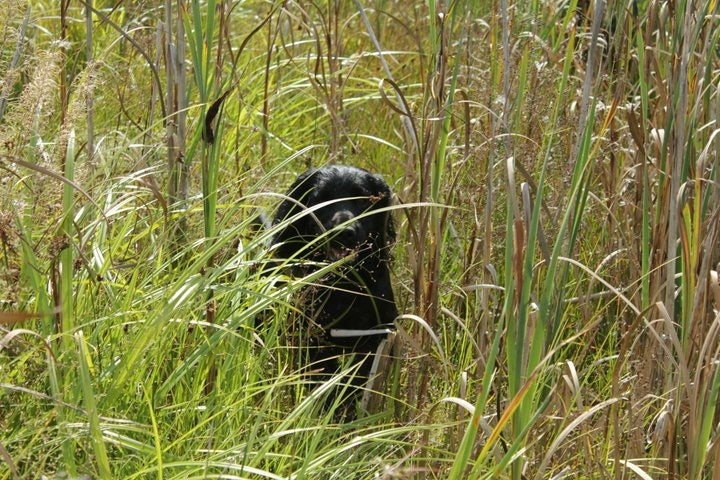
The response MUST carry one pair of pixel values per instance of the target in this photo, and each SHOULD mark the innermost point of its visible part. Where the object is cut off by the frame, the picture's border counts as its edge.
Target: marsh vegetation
(555, 167)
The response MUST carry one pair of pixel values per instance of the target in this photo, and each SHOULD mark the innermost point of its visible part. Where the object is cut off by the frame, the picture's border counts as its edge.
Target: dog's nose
(347, 236)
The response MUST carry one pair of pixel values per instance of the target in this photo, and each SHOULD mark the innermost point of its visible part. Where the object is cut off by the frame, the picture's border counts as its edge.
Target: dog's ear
(292, 236)
(298, 195)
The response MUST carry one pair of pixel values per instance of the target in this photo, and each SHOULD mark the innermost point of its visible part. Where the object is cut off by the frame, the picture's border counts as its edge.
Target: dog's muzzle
(345, 240)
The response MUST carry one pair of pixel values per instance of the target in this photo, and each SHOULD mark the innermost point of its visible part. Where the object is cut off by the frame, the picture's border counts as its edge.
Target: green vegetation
(558, 210)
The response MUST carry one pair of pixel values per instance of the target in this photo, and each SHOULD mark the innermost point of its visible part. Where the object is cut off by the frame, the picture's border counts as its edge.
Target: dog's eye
(375, 198)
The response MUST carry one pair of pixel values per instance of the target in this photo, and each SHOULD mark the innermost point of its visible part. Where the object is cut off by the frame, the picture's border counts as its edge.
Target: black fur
(331, 214)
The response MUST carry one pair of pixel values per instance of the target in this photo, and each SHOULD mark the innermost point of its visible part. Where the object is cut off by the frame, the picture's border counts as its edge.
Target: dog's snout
(347, 230)
(347, 236)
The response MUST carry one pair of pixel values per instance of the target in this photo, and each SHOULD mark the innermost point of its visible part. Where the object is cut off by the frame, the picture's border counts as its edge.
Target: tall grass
(556, 173)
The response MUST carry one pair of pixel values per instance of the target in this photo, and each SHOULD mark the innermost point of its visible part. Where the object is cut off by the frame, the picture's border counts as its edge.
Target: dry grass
(556, 171)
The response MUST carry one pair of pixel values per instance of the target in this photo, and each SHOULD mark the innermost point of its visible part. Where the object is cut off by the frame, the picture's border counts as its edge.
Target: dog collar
(348, 333)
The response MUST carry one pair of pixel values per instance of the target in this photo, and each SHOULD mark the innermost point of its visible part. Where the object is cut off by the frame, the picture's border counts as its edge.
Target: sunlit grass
(556, 177)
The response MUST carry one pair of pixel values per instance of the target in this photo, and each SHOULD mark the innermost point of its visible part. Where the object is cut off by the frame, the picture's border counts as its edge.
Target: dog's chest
(343, 305)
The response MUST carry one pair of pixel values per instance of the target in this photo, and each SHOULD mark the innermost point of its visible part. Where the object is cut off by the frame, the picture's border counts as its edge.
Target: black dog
(331, 215)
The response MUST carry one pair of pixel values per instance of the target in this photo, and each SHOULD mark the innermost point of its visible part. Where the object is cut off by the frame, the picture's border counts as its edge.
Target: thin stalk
(89, 100)
(66, 293)
(645, 177)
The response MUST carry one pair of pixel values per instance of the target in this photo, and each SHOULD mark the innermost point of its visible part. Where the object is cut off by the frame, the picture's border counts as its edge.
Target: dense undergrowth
(556, 172)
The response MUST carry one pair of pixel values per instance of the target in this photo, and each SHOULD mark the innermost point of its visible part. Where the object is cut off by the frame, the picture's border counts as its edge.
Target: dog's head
(333, 212)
